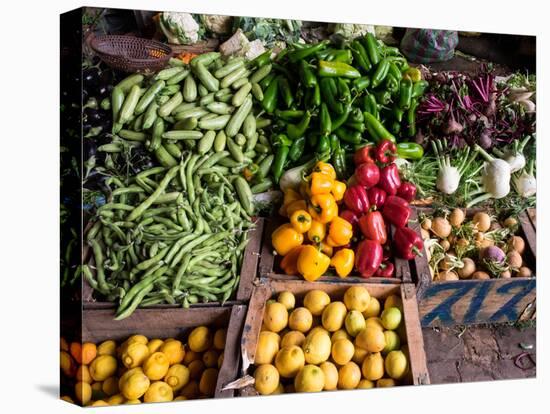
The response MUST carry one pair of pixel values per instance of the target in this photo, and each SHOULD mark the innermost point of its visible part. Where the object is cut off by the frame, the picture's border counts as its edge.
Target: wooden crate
(270, 264)
(418, 366)
(465, 302)
(248, 274)
(98, 325)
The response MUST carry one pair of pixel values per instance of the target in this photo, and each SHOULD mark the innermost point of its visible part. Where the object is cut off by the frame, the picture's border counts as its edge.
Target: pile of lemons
(329, 345)
(143, 370)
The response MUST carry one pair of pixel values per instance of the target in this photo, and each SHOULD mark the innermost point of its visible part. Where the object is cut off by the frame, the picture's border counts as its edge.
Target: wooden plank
(251, 257)
(421, 268)
(532, 213)
(529, 233)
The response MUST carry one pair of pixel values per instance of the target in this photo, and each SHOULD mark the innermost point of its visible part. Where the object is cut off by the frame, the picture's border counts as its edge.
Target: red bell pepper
(368, 174)
(373, 227)
(389, 179)
(377, 197)
(364, 155)
(396, 211)
(356, 199)
(407, 191)
(387, 255)
(407, 243)
(351, 217)
(368, 257)
(386, 152)
(386, 269)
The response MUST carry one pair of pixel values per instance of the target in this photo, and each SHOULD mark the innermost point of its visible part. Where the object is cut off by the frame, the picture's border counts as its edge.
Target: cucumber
(132, 135)
(202, 90)
(165, 158)
(129, 105)
(149, 96)
(167, 73)
(206, 78)
(207, 99)
(222, 92)
(189, 89)
(241, 94)
(215, 124)
(240, 139)
(235, 151)
(178, 77)
(219, 141)
(238, 83)
(169, 90)
(251, 142)
(234, 76)
(169, 106)
(244, 193)
(126, 84)
(183, 107)
(150, 115)
(220, 108)
(187, 123)
(261, 73)
(193, 112)
(237, 119)
(206, 142)
(182, 134)
(257, 92)
(249, 126)
(158, 130)
(209, 116)
(229, 67)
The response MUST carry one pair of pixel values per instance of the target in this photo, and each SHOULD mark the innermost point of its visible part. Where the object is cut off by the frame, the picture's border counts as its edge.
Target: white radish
(448, 177)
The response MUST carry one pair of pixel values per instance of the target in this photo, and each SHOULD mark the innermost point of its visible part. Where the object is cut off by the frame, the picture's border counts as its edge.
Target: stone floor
(466, 354)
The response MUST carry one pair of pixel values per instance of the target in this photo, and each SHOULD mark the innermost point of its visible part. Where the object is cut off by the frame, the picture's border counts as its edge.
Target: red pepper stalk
(389, 180)
(368, 257)
(407, 243)
(368, 175)
(356, 199)
(364, 155)
(407, 191)
(373, 227)
(377, 197)
(396, 211)
(386, 269)
(386, 152)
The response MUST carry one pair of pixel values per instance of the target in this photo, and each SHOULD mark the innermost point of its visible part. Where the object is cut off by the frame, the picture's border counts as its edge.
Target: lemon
(333, 316)
(385, 382)
(177, 376)
(110, 386)
(89, 352)
(373, 309)
(373, 366)
(331, 375)
(180, 398)
(391, 318)
(293, 338)
(275, 317)
(316, 301)
(396, 364)
(210, 358)
(300, 319)
(159, 391)
(339, 334)
(342, 351)
(318, 329)
(317, 347)
(357, 298)
(99, 403)
(354, 322)
(97, 391)
(359, 355)
(67, 398)
(191, 390)
(190, 356)
(310, 379)
(267, 347)
(134, 355)
(174, 351)
(393, 301)
(132, 402)
(133, 384)
(116, 399)
(103, 367)
(207, 384)
(196, 368)
(107, 348)
(365, 384)
(200, 339)
(287, 299)
(156, 366)
(374, 322)
(83, 392)
(154, 345)
(349, 376)
(392, 342)
(279, 390)
(289, 361)
(266, 379)
(371, 339)
(219, 339)
(66, 362)
(83, 374)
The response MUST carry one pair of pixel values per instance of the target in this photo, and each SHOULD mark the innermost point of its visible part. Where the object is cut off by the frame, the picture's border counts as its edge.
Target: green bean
(167, 198)
(188, 176)
(124, 313)
(88, 275)
(181, 270)
(103, 287)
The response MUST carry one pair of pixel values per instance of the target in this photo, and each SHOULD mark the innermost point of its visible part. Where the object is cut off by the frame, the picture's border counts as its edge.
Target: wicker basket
(131, 54)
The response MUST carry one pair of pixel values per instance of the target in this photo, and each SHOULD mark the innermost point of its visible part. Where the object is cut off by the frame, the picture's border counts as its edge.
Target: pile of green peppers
(335, 100)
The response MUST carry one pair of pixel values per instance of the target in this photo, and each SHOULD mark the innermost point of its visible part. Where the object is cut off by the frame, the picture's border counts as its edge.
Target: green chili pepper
(399, 61)
(371, 45)
(397, 113)
(337, 69)
(411, 119)
(360, 84)
(395, 127)
(370, 105)
(282, 140)
(313, 97)
(295, 131)
(300, 54)
(410, 150)
(380, 73)
(306, 75)
(269, 102)
(279, 163)
(358, 60)
(284, 90)
(405, 93)
(382, 97)
(339, 160)
(391, 51)
(340, 119)
(376, 130)
(391, 84)
(297, 148)
(265, 82)
(325, 121)
(343, 90)
(419, 88)
(261, 60)
(289, 114)
(312, 139)
(323, 144)
(353, 137)
(357, 126)
(394, 71)
(329, 91)
(356, 115)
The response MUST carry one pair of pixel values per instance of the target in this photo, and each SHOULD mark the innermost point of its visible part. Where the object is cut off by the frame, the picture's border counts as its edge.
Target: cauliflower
(179, 28)
(217, 24)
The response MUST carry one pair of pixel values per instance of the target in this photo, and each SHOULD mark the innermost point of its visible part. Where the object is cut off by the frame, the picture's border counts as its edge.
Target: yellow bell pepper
(289, 264)
(340, 231)
(325, 168)
(317, 231)
(285, 238)
(338, 190)
(301, 221)
(320, 183)
(289, 196)
(305, 191)
(343, 261)
(312, 264)
(323, 208)
(326, 249)
(295, 206)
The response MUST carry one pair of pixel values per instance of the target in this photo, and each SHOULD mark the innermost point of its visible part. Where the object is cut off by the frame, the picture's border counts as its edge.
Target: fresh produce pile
(143, 370)
(474, 248)
(328, 344)
(325, 99)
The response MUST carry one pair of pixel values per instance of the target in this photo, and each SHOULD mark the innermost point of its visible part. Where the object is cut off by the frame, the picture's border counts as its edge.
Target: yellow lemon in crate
(334, 316)
(200, 339)
(392, 342)
(83, 374)
(331, 375)
(354, 322)
(133, 384)
(207, 384)
(159, 391)
(110, 386)
(275, 317)
(374, 322)
(357, 298)
(359, 355)
(177, 376)
(393, 301)
(342, 351)
(373, 366)
(219, 339)
(190, 356)
(310, 379)
(385, 382)
(317, 347)
(300, 319)
(266, 379)
(156, 366)
(279, 390)
(267, 347)
(97, 391)
(107, 348)
(83, 392)
(391, 318)
(116, 399)
(196, 368)
(293, 338)
(349, 376)
(318, 329)
(99, 403)
(191, 390)
(340, 334)
(210, 358)
(287, 299)
(134, 355)
(396, 364)
(132, 402)
(365, 384)
(289, 361)
(316, 301)
(154, 345)
(139, 339)
(373, 308)
(371, 339)
(103, 367)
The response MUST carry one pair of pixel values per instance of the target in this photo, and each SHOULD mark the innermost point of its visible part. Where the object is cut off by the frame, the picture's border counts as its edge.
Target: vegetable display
(357, 344)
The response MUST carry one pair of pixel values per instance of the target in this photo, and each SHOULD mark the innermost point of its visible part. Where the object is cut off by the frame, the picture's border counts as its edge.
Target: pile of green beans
(208, 106)
(171, 235)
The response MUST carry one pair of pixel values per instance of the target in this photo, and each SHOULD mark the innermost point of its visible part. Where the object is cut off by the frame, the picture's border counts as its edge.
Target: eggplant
(93, 116)
(90, 77)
